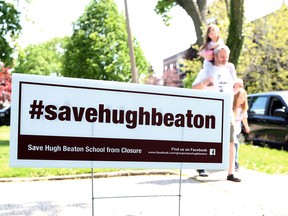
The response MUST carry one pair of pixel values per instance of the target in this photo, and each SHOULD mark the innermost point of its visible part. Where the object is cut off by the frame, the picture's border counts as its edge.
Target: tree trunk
(197, 11)
(235, 38)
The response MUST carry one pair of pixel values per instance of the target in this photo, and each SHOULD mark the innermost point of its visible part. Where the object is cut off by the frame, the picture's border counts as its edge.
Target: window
(258, 105)
(276, 103)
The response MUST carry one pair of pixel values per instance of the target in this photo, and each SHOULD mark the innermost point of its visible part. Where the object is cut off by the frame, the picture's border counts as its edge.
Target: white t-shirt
(223, 76)
(223, 79)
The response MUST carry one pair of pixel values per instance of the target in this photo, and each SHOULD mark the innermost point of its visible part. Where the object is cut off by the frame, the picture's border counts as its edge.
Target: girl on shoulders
(212, 40)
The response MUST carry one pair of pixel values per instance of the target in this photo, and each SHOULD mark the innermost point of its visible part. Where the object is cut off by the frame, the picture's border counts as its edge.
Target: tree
(192, 64)
(191, 68)
(197, 11)
(5, 85)
(43, 59)
(98, 48)
(263, 63)
(235, 37)
(9, 30)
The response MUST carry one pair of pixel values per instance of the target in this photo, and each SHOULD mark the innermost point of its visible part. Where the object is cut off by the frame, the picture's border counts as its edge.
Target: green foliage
(163, 7)
(9, 29)
(263, 63)
(98, 48)
(42, 59)
(195, 9)
(217, 13)
(191, 68)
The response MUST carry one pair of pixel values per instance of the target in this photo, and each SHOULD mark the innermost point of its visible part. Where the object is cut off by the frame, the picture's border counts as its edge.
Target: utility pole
(131, 49)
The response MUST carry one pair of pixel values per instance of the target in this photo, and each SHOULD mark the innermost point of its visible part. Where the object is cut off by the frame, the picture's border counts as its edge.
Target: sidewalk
(258, 194)
(264, 191)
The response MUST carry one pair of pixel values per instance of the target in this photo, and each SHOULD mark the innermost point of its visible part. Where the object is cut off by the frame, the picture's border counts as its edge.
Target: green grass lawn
(265, 160)
(262, 159)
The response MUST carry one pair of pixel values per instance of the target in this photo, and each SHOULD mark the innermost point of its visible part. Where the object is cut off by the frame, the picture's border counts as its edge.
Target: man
(220, 77)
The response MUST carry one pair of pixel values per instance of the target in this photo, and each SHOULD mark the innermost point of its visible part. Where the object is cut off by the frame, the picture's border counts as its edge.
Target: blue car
(268, 119)
(5, 116)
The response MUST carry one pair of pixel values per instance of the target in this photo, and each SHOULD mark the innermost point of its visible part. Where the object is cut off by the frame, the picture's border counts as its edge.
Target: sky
(53, 18)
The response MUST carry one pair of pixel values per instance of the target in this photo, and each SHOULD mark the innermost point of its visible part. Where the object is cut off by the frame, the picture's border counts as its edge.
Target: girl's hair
(244, 105)
(207, 39)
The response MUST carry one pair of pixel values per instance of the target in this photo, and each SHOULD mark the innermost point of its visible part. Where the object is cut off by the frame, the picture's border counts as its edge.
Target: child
(212, 40)
(240, 107)
(237, 85)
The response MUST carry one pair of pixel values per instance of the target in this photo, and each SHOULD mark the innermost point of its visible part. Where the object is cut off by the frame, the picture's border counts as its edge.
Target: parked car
(268, 119)
(5, 116)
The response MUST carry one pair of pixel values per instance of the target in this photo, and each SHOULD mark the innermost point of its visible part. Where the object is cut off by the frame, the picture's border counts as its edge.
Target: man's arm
(205, 84)
(232, 70)
(198, 86)
(201, 81)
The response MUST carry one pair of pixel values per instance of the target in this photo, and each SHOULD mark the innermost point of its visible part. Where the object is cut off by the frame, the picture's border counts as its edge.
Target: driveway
(148, 195)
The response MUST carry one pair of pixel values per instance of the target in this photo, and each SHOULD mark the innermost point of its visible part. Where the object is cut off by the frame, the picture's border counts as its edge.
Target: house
(172, 74)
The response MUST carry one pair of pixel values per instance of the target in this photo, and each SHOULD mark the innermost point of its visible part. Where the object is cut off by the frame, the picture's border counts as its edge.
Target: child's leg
(236, 144)
(207, 64)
